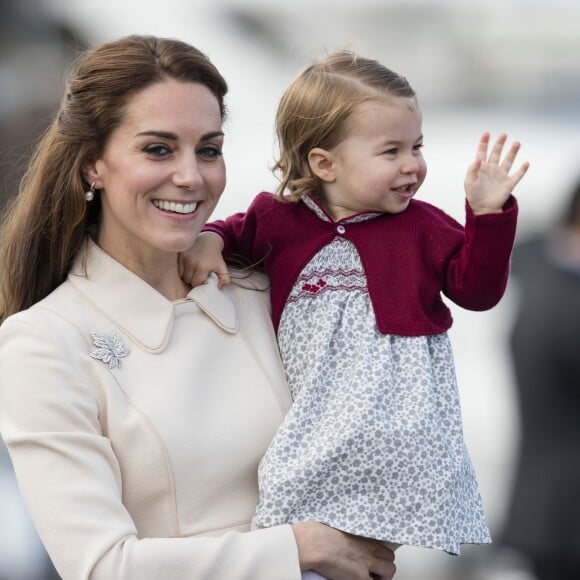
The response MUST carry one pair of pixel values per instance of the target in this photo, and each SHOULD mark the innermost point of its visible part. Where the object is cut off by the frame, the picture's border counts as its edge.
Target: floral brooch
(109, 348)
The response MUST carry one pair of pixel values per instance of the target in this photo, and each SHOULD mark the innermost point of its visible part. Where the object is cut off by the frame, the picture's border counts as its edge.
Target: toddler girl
(373, 444)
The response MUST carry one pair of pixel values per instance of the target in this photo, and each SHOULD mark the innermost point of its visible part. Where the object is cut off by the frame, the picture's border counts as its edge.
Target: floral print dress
(373, 444)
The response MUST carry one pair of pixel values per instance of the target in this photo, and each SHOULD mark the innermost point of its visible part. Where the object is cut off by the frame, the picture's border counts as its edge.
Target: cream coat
(145, 470)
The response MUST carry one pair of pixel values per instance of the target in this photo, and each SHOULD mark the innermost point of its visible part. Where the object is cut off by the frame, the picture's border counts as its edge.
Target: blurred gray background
(498, 65)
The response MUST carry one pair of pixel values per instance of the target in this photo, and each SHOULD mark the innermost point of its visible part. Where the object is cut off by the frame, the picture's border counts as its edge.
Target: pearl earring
(90, 194)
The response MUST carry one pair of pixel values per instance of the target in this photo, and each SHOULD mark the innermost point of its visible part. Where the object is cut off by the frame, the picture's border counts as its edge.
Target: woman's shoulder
(250, 287)
(48, 317)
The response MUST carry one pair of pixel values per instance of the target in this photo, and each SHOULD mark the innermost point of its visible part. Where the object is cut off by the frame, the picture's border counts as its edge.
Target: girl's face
(161, 173)
(378, 166)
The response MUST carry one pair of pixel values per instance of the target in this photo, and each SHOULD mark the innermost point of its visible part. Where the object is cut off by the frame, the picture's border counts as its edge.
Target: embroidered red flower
(314, 288)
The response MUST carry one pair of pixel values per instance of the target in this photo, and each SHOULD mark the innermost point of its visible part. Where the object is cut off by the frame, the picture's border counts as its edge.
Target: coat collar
(135, 307)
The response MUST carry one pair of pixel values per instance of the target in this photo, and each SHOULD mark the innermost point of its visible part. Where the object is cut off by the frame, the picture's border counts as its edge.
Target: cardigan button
(340, 229)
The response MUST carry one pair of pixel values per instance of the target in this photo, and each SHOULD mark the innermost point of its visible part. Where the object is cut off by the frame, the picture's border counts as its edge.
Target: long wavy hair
(46, 223)
(315, 109)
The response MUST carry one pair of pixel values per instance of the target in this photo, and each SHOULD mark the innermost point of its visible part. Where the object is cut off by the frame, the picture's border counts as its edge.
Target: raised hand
(488, 183)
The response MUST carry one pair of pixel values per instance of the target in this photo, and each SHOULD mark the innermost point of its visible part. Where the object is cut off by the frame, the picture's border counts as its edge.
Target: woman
(135, 447)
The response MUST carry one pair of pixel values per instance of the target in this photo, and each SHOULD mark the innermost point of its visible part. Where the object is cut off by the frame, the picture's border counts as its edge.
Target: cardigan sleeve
(477, 274)
(71, 481)
(240, 231)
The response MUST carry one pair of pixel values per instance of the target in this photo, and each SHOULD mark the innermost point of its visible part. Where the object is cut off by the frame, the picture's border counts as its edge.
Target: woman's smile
(176, 206)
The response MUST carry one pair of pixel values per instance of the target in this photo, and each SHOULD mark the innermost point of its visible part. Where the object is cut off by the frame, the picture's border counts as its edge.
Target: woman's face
(161, 172)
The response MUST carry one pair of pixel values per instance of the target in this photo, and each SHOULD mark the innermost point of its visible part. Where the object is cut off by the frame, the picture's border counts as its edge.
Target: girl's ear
(321, 163)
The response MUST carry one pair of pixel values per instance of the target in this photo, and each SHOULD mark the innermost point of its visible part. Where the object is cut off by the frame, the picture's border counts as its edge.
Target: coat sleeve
(70, 478)
(477, 274)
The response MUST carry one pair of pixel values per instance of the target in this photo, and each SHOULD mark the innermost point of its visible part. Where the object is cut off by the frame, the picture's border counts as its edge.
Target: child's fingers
(481, 153)
(223, 279)
(517, 176)
(194, 275)
(473, 170)
(497, 148)
(510, 157)
(197, 277)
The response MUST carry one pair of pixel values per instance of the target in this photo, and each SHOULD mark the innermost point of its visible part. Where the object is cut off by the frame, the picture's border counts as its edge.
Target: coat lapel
(134, 306)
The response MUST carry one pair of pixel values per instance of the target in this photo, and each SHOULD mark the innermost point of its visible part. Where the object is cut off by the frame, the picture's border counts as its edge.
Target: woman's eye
(392, 151)
(418, 147)
(157, 150)
(210, 152)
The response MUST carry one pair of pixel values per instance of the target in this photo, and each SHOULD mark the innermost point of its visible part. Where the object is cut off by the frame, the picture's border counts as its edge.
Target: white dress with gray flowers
(373, 443)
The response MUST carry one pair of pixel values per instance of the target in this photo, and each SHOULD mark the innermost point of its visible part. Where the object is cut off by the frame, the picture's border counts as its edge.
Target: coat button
(340, 229)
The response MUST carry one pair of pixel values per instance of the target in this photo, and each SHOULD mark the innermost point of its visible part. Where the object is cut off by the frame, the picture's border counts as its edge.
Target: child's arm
(476, 276)
(236, 238)
(205, 257)
(488, 183)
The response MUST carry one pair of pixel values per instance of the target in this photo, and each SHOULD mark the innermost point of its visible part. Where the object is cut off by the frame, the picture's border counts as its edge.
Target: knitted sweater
(410, 258)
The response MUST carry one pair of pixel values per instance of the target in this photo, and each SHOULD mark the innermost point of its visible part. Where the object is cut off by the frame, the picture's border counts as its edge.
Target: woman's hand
(488, 183)
(340, 556)
(204, 257)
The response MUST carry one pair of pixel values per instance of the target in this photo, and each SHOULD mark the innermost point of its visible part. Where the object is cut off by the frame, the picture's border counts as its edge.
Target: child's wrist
(484, 210)
(214, 237)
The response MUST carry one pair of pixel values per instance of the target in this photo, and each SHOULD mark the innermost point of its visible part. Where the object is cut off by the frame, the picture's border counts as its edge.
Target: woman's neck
(156, 267)
(167, 282)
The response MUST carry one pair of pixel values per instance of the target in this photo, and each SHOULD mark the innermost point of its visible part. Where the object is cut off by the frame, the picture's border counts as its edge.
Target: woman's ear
(321, 163)
(90, 173)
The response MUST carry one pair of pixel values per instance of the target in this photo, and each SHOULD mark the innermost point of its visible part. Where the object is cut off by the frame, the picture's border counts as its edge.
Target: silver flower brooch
(109, 348)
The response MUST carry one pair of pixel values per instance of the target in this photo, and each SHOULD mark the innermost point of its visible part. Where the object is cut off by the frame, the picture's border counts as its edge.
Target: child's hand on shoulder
(488, 183)
(205, 257)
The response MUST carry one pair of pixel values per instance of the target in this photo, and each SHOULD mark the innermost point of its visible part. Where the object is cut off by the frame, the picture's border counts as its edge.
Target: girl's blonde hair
(46, 223)
(315, 109)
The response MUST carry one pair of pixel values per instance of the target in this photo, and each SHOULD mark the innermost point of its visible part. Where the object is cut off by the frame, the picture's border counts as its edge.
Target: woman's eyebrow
(162, 134)
(212, 135)
(174, 137)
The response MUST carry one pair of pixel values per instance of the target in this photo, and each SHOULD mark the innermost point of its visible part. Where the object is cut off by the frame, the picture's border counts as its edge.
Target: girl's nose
(410, 165)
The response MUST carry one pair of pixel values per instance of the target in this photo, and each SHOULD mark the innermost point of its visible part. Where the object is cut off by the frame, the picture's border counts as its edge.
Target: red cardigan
(409, 258)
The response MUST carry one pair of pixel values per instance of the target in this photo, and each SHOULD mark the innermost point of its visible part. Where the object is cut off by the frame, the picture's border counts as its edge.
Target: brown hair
(47, 221)
(315, 109)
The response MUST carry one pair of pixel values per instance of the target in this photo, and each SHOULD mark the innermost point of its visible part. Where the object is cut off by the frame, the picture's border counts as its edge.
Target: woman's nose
(187, 174)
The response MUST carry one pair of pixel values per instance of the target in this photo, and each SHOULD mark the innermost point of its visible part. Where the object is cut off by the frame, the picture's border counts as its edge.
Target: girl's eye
(210, 152)
(418, 147)
(392, 151)
(157, 150)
